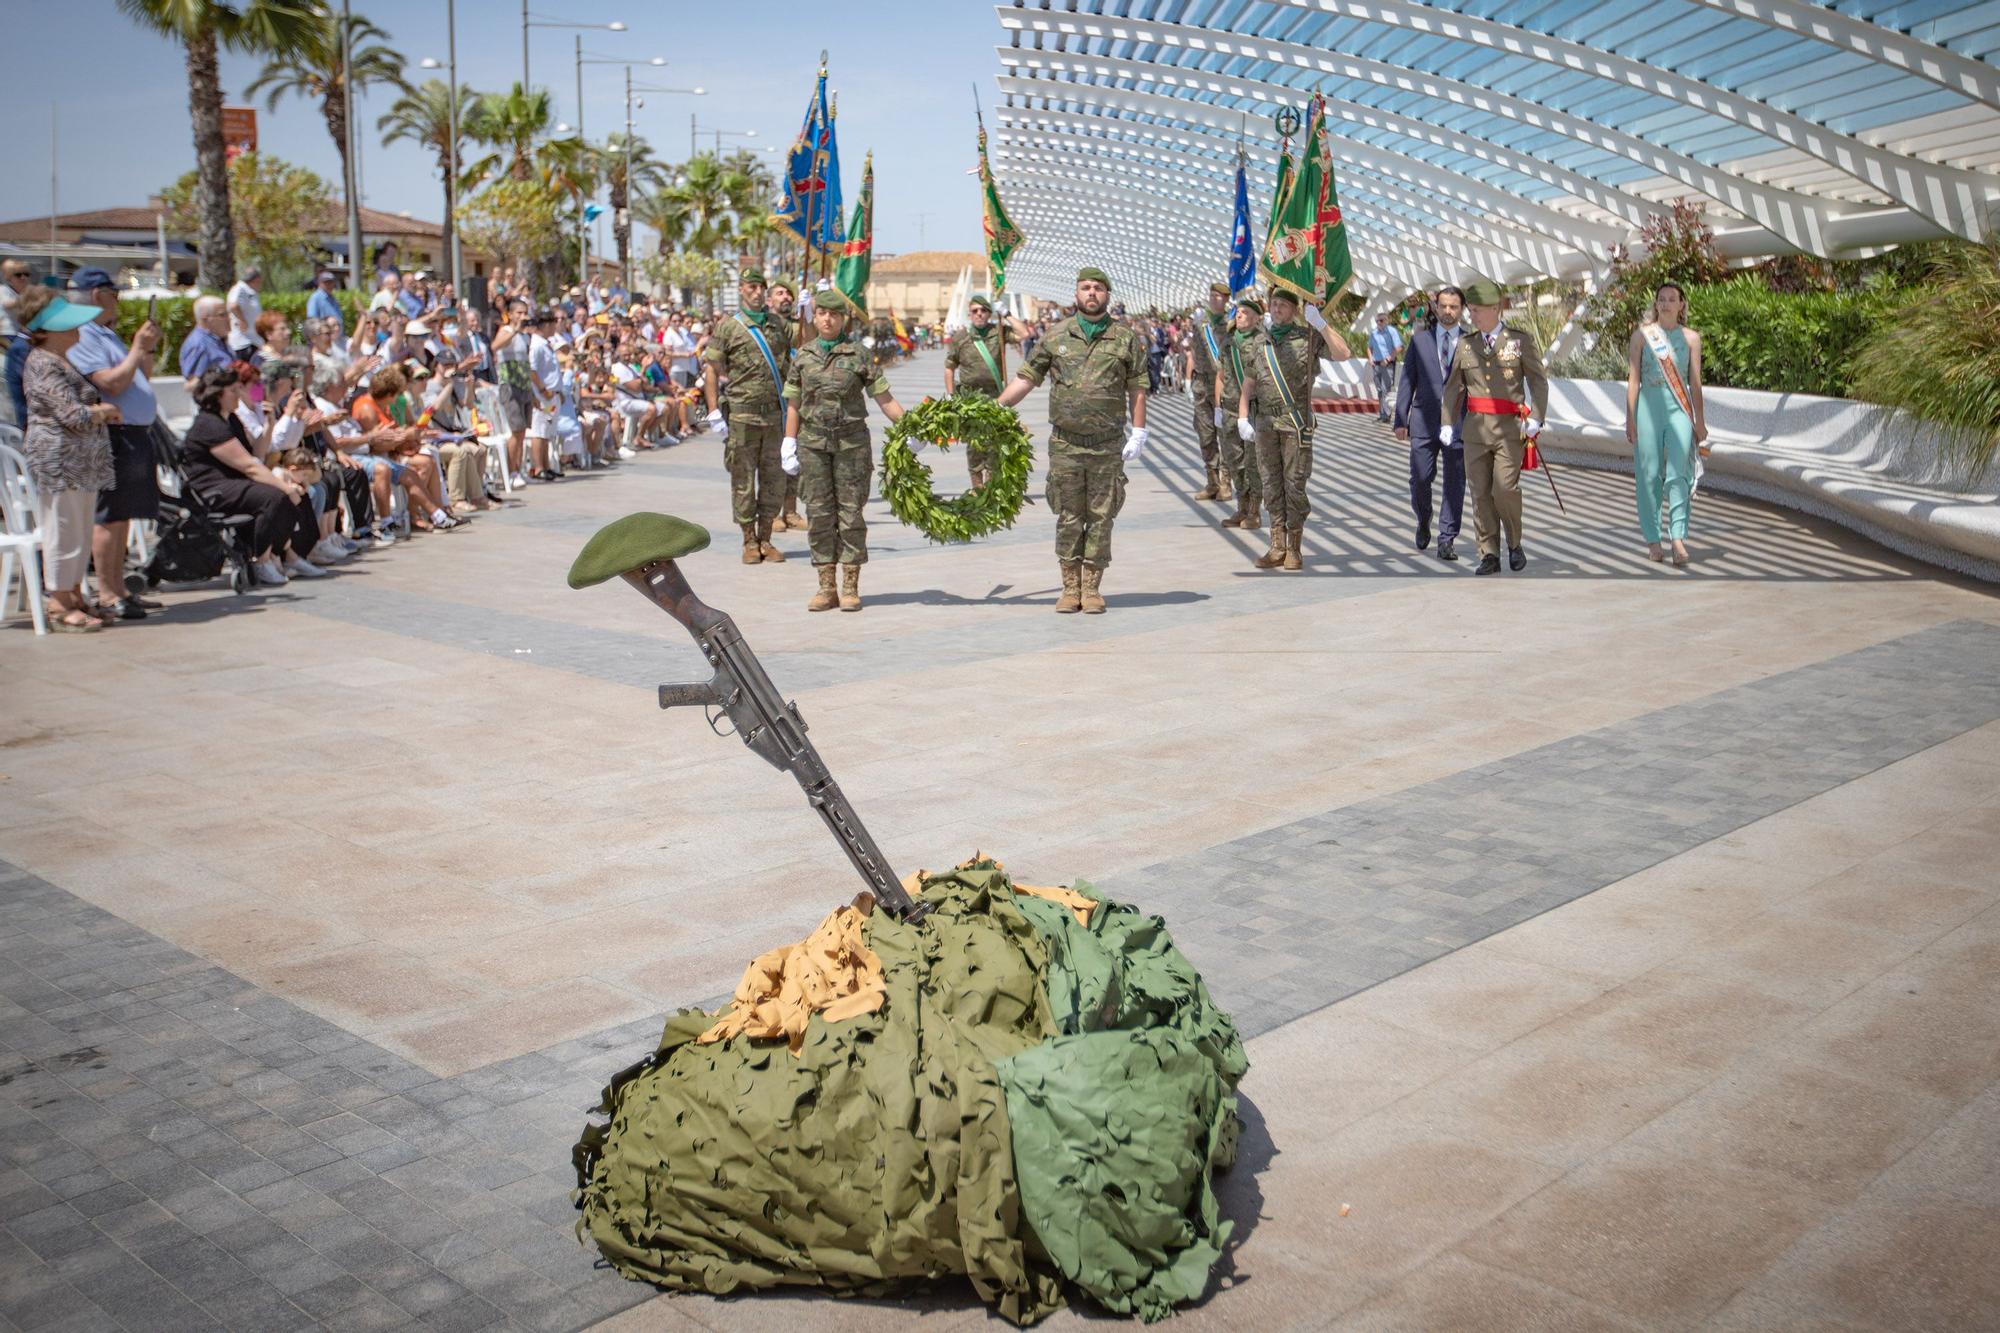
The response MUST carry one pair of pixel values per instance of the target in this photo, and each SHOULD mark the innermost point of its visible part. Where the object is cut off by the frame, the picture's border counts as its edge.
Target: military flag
(810, 205)
(1305, 251)
(857, 251)
(1003, 238)
(1242, 257)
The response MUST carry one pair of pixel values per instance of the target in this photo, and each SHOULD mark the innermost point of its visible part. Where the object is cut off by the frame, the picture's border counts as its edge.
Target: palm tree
(422, 116)
(666, 215)
(756, 236)
(314, 73)
(707, 194)
(203, 27)
(511, 123)
(647, 173)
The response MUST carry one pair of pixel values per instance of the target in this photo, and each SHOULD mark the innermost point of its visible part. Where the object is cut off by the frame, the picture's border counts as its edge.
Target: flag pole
(979, 116)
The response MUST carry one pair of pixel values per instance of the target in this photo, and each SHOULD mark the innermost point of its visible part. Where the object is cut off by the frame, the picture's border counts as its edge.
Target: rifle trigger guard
(711, 714)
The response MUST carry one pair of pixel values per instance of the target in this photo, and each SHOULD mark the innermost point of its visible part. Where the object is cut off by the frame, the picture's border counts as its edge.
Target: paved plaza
(1617, 946)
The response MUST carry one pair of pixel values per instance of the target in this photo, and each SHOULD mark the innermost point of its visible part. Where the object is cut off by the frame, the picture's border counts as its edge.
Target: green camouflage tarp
(1037, 1105)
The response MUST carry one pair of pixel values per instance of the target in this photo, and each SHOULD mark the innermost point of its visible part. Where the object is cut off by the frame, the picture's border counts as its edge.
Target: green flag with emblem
(1305, 250)
(857, 252)
(1003, 238)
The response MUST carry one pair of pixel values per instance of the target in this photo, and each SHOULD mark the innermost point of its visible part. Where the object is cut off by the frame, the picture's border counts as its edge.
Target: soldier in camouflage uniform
(1099, 370)
(1208, 348)
(749, 348)
(1239, 457)
(1274, 408)
(783, 299)
(1496, 398)
(972, 365)
(881, 342)
(826, 445)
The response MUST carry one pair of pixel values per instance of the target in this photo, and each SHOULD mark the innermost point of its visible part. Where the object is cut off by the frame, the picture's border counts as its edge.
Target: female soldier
(826, 444)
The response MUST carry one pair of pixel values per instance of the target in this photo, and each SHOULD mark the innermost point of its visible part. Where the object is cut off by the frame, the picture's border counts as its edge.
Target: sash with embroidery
(1293, 412)
(1214, 350)
(1663, 352)
(992, 366)
(765, 348)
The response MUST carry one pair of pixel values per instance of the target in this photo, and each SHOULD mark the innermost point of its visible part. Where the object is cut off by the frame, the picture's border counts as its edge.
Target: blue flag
(810, 208)
(1242, 260)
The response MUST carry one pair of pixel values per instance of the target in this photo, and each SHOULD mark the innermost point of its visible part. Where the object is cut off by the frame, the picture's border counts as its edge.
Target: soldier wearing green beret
(783, 299)
(1274, 409)
(972, 365)
(750, 350)
(1097, 372)
(1239, 456)
(1496, 399)
(1211, 345)
(826, 444)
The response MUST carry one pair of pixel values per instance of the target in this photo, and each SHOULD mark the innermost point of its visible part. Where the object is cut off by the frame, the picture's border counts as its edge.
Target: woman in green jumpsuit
(1663, 433)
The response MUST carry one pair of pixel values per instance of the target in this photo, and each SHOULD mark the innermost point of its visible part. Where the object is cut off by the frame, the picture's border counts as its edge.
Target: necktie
(1444, 356)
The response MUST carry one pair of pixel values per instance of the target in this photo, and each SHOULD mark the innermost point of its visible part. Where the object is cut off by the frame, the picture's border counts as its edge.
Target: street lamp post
(348, 185)
(538, 21)
(528, 21)
(583, 227)
(694, 130)
(453, 260)
(630, 88)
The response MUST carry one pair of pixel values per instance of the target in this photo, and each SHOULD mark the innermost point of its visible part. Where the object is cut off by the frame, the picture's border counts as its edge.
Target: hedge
(176, 316)
(1780, 342)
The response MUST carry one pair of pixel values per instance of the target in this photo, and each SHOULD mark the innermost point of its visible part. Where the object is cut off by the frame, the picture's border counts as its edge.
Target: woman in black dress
(223, 470)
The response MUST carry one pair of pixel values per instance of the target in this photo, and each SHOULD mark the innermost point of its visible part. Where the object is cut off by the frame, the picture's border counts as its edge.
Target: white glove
(1530, 428)
(1446, 434)
(788, 456)
(718, 425)
(1134, 444)
(867, 342)
(917, 446)
(1245, 429)
(1218, 418)
(1314, 319)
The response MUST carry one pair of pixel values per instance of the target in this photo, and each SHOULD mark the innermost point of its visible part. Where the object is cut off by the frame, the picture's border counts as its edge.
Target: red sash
(1507, 407)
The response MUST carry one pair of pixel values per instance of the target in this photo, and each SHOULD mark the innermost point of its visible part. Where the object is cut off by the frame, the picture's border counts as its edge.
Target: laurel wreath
(973, 420)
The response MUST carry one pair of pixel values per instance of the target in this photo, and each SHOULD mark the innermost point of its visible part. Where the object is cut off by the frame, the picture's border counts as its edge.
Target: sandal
(60, 624)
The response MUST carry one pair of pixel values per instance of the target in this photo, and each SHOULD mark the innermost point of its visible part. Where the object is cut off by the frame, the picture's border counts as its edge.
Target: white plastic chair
(494, 409)
(21, 540)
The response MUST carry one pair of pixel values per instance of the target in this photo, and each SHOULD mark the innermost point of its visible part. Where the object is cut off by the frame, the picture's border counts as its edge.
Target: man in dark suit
(1420, 414)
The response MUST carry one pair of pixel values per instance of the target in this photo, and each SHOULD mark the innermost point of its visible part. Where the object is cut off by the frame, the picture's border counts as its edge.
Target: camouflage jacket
(1090, 381)
(1203, 373)
(969, 368)
(752, 394)
(1511, 370)
(1297, 352)
(831, 389)
(1235, 356)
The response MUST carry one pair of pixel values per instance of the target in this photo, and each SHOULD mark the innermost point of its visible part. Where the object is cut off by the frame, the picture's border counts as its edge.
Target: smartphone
(152, 310)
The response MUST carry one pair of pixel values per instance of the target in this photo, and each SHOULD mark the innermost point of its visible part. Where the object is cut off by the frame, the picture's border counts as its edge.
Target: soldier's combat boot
(1223, 490)
(1250, 521)
(1274, 557)
(752, 553)
(1207, 492)
(826, 598)
(1292, 558)
(850, 587)
(791, 520)
(1072, 593)
(771, 554)
(1093, 601)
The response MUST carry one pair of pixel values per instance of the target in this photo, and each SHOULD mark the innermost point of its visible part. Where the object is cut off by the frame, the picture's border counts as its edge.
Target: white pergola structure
(1511, 139)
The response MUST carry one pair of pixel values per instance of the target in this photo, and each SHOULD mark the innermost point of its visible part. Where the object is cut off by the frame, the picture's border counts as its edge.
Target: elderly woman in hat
(826, 444)
(68, 450)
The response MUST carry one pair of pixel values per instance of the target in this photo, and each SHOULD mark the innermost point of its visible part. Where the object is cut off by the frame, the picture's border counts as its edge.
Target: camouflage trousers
(1086, 491)
(1205, 430)
(791, 494)
(1284, 466)
(756, 477)
(835, 481)
(1239, 460)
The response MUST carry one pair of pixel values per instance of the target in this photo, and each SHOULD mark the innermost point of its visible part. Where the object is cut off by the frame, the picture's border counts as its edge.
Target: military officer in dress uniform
(1495, 400)
(1210, 346)
(1239, 456)
(1274, 408)
(752, 351)
(1097, 382)
(826, 444)
(783, 299)
(972, 365)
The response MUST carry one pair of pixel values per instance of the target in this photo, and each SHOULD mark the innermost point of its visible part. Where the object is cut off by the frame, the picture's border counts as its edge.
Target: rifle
(739, 689)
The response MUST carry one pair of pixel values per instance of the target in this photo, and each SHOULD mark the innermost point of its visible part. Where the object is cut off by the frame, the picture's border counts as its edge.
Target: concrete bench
(1852, 463)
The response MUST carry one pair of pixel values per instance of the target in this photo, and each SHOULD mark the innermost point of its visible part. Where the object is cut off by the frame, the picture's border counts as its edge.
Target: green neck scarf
(826, 345)
(756, 317)
(1282, 330)
(1092, 328)
(1218, 320)
(1242, 335)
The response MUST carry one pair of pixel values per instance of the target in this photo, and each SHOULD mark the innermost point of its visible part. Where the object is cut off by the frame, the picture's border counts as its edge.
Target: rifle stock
(770, 726)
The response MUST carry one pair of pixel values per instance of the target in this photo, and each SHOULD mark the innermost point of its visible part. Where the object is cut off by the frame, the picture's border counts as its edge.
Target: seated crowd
(329, 441)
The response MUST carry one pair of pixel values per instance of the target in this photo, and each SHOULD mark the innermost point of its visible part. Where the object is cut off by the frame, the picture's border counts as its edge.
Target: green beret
(1252, 304)
(1218, 289)
(1285, 292)
(634, 541)
(832, 298)
(1094, 275)
(755, 275)
(980, 300)
(1483, 292)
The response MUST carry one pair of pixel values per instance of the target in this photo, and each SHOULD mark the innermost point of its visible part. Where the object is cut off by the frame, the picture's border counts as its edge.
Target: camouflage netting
(1037, 1103)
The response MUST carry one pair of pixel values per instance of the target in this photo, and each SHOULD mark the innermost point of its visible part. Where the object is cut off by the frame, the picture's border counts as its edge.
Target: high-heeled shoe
(1654, 553)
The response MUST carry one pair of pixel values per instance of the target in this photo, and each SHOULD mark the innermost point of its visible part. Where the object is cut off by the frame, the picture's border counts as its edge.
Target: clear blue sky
(903, 69)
